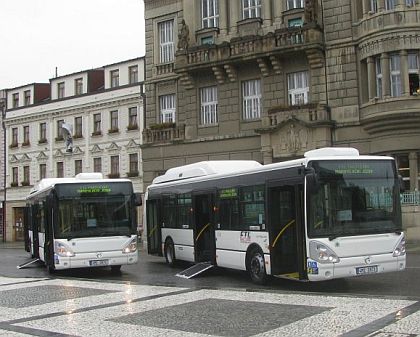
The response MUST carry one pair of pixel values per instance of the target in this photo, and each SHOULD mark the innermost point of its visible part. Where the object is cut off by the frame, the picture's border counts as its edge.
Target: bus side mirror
(137, 199)
(401, 182)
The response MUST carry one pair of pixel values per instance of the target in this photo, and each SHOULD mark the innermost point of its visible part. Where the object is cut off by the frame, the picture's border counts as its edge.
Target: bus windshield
(353, 197)
(93, 216)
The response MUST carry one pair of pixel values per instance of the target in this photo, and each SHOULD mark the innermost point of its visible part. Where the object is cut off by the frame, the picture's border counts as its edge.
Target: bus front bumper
(355, 266)
(88, 260)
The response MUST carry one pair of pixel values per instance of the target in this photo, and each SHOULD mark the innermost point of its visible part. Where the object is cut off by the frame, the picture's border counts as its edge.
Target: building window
(251, 99)
(115, 167)
(26, 178)
(60, 169)
(15, 176)
(25, 135)
(60, 135)
(251, 8)
(78, 127)
(14, 137)
(389, 5)
(15, 99)
(413, 73)
(97, 164)
(78, 166)
(298, 88)
(78, 86)
(60, 90)
(210, 13)
(410, 3)
(133, 74)
(27, 97)
(395, 74)
(97, 124)
(166, 41)
(378, 71)
(42, 132)
(134, 164)
(132, 118)
(208, 106)
(42, 171)
(403, 164)
(113, 116)
(167, 108)
(115, 78)
(374, 6)
(292, 4)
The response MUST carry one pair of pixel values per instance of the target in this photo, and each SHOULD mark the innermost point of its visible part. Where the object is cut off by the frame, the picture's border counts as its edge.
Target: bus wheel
(116, 269)
(170, 252)
(256, 267)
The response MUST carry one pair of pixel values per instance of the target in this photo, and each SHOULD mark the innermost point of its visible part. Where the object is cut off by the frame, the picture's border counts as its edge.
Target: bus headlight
(400, 249)
(321, 253)
(131, 247)
(62, 249)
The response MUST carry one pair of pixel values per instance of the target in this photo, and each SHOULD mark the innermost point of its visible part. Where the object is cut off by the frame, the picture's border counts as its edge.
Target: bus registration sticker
(313, 267)
(366, 270)
(98, 263)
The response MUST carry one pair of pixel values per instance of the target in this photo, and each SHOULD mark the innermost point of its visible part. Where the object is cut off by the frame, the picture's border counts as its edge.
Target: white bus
(332, 214)
(85, 221)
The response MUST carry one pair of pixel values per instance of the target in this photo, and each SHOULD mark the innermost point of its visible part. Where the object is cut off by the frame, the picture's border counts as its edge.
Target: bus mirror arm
(401, 182)
(312, 179)
(137, 199)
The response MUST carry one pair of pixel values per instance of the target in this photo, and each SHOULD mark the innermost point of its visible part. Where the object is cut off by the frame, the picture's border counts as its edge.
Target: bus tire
(116, 269)
(256, 266)
(170, 252)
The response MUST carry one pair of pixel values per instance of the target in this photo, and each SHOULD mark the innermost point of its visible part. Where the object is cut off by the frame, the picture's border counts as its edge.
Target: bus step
(24, 265)
(195, 270)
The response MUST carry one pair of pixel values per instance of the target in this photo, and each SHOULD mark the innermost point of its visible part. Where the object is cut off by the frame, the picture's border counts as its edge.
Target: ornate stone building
(102, 108)
(270, 79)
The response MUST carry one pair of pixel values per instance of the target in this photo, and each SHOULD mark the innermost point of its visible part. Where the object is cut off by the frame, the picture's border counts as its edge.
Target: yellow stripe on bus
(281, 232)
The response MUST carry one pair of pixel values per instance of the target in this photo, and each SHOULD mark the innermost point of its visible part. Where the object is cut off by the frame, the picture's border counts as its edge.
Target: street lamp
(3, 116)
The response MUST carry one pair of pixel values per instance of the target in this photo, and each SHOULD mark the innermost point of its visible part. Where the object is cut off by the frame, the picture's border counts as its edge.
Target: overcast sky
(36, 36)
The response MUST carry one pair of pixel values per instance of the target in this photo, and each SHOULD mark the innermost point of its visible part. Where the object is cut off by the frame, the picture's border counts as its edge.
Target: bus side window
(228, 210)
(185, 211)
(252, 207)
(169, 211)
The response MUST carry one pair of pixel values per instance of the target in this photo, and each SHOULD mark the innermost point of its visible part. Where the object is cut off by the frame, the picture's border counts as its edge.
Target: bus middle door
(285, 230)
(204, 234)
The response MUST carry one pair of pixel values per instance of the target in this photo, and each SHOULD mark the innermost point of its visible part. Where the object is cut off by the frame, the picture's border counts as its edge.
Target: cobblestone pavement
(61, 307)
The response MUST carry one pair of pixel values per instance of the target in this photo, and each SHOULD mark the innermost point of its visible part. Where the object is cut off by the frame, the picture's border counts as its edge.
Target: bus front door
(204, 235)
(285, 222)
(153, 230)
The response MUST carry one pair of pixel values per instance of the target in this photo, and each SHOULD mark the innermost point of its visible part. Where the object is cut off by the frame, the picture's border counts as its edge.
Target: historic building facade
(269, 79)
(102, 111)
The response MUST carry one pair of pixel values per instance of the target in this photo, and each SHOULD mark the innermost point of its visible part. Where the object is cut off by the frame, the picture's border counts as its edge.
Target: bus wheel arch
(169, 251)
(255, 264)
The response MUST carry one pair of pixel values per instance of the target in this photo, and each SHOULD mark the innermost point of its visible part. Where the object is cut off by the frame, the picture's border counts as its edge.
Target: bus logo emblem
(98, 255)
(367, 260)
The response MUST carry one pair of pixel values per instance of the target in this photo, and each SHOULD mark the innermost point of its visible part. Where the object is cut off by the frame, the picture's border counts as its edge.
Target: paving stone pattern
(61, 308)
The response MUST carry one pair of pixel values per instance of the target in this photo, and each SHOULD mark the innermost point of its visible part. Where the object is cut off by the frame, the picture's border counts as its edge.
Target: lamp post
(3, 116)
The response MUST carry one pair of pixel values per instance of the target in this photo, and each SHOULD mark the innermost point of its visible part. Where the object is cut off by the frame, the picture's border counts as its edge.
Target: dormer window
(78, 86)
(115, 78)
(60, 90)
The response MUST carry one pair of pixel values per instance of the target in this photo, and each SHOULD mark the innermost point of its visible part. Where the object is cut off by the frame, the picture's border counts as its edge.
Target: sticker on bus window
(313, 268)
(245, 237)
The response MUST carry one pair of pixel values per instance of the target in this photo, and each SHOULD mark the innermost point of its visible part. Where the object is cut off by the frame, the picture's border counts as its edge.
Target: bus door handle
(202, 230)
(291, 222)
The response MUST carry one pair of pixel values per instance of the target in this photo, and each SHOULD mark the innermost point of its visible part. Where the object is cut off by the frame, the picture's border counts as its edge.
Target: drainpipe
(3, 116)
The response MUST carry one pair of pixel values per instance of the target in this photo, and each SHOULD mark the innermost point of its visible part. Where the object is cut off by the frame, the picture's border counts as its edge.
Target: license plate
(98, 263)
(366, 270)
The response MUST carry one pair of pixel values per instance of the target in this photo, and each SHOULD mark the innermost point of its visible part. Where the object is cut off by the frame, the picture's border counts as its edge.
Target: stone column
(235, 15)
(366, 7)
(386, 83)
(405, 82)
(267, 12)
(371, 77)
(381, 5)
(279, 7)
(223, 16)
(413, 162)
